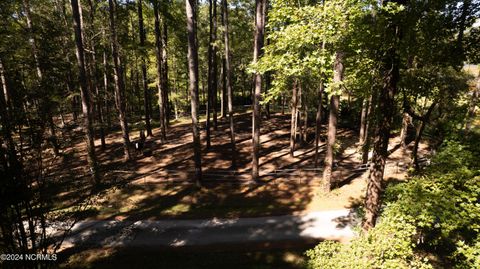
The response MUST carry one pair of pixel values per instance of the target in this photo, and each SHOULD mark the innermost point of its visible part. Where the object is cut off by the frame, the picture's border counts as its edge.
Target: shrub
(437, 212)
(388, 245)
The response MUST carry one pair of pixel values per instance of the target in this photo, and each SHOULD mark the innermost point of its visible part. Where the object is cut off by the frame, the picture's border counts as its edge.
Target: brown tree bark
(87, 117)
(119, 82)
(386, 108)
(43, 108)
(305, 120)
(106, 82)
(214, 66)
(31, 40)
(223, 95)
(418, 136)
(363, 121)
(461, 31)
(96, 101)
(318, 122)
(368, 123)
(294, 117)
(164, 63)
(146, 93)
(268, 85)
(332, 123)
(209, 75)
(228, 79)
(404, 130)
(257, 53)
(6, 93)
(160, 79)
(191, 8)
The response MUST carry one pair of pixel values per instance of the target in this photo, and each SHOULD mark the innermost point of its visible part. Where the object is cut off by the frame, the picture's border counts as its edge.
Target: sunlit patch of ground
(152, 187)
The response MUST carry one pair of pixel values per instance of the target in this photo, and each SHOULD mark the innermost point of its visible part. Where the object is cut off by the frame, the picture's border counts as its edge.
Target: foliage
(445, 201)
(388, 245)
(437, 212)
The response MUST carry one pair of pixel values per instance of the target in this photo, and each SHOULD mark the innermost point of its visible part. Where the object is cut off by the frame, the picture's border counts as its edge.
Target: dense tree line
(375, 66)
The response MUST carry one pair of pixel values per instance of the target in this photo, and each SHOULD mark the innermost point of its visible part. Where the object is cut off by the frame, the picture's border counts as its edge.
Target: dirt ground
(159, 187)
(156, 186)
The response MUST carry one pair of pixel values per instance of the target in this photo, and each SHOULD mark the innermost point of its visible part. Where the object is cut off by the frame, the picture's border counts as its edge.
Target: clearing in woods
(157, 186)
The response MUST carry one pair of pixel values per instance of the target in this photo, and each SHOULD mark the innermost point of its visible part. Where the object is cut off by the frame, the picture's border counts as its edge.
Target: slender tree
(192, 57)
(228, 79)
(294, 117)
(164, 63)
(119, 80)
(106, 80)
(363, 120)
(404, 130)
(160, 79)
(210, 74)
(31, 40)
(82, 78)
(318, 121)
(385, 110)
(365, 145)
(43, 106)
(332, 122)
(93, 83)
(223, 77)
(146, 93)
(214, 76)
(257, 53)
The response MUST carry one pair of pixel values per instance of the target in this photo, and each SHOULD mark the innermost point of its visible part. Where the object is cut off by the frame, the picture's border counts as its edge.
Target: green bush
(437, 212)
(387, 246)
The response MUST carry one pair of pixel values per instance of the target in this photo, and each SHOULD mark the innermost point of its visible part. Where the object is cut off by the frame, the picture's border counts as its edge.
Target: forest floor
(158, 187)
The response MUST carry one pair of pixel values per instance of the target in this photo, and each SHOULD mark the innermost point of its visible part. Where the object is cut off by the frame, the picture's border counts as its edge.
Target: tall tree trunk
(106, 82)
(294, 117)
(146, 93)
(305, 122)
(43, 108)
(31, 40)
(461, 31)
(215, 67)
(191, 8)
(87, 117)
(404, 130)
(93, 79)
(257, 53)
(268, 85)
(332, 123)
(419, 133)
(368, 123)
(223, 95)
(363, 120)
(160, 79)
(318, 121)
(119, 82)
(386, 108)
(228, 80)
(209, 75)
(164, 62)
(5, 91)
(5, 115)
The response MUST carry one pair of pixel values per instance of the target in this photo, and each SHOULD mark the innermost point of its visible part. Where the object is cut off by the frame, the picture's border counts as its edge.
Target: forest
(240, 134)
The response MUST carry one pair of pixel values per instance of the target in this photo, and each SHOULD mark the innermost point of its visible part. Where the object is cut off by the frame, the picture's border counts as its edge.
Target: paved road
(333, 225)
